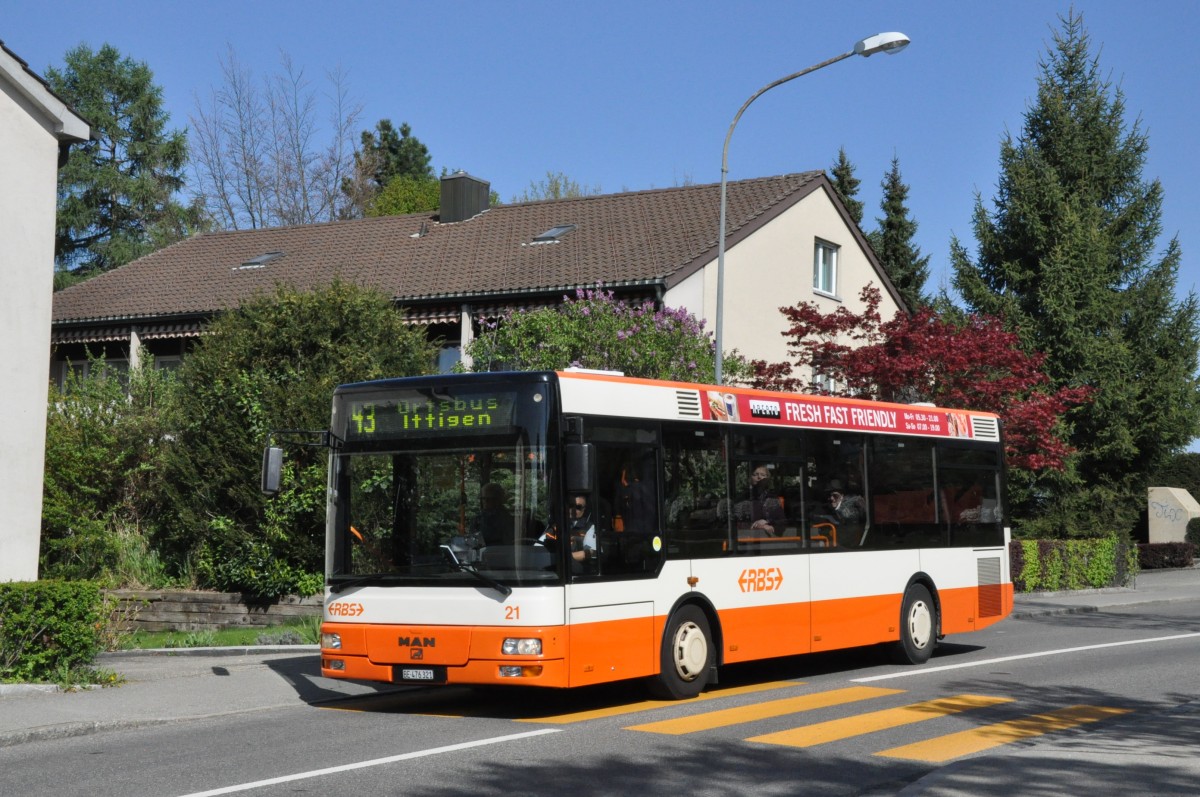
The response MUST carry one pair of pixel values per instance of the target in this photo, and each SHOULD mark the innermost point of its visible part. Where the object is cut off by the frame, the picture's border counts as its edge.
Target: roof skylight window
(261, 260)
(553, 234)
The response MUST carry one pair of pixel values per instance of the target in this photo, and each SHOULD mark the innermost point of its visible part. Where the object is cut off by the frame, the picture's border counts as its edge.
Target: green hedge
(1053, 565)
(1156, 555)
(48, 628)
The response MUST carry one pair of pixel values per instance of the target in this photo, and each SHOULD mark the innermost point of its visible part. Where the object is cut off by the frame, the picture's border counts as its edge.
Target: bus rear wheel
(687, 656)
(918, 626)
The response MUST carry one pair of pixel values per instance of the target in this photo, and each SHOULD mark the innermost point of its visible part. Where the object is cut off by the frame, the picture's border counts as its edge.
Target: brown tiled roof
(643, 238)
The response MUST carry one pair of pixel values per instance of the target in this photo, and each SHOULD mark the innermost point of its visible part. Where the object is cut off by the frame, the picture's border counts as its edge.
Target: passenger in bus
(634, 494)
(840, 508)
(764, 510)
(494, 523)
(843, 507)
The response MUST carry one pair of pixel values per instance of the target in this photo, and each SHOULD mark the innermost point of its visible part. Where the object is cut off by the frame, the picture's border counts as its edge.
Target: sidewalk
(186, 684)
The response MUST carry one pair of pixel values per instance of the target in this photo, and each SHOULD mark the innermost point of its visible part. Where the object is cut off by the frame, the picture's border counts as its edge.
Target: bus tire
(918, 626)
(687, 656)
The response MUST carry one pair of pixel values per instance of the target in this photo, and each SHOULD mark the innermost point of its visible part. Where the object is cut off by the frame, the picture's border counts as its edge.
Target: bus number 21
(512, 612)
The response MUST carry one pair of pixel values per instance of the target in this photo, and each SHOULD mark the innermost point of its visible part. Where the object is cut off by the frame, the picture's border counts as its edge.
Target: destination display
(861, 416)
(417, 415)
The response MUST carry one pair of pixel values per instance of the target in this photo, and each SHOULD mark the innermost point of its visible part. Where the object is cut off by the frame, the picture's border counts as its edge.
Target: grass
(305, 631)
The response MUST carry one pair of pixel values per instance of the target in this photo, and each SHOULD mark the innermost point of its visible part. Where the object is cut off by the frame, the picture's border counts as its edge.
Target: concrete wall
(1170, 509)
(32, 121)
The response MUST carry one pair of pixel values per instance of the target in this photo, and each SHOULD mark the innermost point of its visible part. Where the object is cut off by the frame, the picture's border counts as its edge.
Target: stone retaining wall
(168, 610)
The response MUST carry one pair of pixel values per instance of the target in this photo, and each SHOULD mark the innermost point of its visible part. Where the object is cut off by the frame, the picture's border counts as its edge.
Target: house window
(825, 269)
(823, 383)
(448, 357)
(64, 371)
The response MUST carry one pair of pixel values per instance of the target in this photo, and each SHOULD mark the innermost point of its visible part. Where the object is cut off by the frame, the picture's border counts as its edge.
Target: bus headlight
(519, 671)
(522, 647)
(331, 641)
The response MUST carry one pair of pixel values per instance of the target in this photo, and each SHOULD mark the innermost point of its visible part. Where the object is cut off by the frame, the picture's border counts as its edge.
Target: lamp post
(890, 43)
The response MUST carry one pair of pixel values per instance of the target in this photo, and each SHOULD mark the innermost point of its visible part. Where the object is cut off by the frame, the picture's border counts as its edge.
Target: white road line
(372, 763)
(987, 662)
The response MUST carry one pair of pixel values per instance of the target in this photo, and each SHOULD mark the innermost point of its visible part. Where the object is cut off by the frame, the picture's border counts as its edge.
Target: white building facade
(34, 124)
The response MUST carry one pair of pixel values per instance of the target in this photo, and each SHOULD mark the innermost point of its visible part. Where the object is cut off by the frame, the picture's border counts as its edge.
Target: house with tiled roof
(36, 127)
(788, 239)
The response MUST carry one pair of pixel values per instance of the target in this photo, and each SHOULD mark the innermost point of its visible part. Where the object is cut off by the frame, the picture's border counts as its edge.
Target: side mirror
(580, 463)
(272, 467)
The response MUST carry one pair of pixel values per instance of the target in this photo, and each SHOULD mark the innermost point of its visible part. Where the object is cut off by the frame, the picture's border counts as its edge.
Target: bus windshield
(437, 504)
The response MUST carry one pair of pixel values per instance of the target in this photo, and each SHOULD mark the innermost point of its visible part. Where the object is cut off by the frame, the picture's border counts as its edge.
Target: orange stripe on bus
(763, 632)
(613, 650)
(602, 652)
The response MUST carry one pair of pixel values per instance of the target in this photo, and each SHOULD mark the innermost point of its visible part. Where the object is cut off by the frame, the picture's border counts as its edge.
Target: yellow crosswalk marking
(646, 705)
(956, 745)
(775, 708)
(834, 730)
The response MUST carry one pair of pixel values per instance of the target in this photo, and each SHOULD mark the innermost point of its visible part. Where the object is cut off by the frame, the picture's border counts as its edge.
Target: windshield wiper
(455, 562)
(354, 582)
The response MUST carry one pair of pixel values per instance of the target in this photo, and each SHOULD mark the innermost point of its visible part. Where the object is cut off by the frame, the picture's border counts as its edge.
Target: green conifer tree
(846, 185)
(116, 192)
(893, 241)
(1068, 255)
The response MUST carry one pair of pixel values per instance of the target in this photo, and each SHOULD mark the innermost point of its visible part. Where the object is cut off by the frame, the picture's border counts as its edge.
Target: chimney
(463, 196)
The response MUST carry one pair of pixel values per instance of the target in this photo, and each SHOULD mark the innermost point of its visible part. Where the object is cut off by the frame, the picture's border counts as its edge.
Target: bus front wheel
(687, 656)
(918, 626)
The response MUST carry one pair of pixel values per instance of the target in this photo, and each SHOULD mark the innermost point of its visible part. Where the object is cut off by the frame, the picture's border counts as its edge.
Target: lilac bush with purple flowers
(594, 329)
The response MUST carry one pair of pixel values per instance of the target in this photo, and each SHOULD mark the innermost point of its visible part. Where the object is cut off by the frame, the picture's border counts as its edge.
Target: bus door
(765, 608)
(612, 596)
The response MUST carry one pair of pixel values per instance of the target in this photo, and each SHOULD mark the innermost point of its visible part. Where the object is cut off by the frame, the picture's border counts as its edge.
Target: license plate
(414, 674)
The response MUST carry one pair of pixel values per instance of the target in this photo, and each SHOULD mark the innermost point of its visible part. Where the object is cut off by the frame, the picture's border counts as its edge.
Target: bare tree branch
(255, 157)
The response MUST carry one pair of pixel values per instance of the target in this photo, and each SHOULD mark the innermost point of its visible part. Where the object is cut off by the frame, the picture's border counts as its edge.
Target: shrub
(1155, 556)
(270, 364)
(103, 437)
(1193, 531)
(48, 627)
(1052, 565)
(596, 330)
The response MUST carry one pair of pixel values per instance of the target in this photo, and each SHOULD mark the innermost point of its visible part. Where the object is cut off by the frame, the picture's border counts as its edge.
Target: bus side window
(903, 506)
(696, 514)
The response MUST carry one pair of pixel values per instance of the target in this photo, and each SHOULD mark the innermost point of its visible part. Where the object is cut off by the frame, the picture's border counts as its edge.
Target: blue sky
(635, 95)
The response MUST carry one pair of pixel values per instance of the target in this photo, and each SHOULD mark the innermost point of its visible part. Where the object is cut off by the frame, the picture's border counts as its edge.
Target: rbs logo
(760, 579)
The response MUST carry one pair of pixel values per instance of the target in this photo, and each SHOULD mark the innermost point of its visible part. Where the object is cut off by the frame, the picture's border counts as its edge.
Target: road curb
(68, 730)
(1034, 610)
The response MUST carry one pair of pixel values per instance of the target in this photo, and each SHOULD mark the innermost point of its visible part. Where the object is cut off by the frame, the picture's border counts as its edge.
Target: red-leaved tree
(971, 363)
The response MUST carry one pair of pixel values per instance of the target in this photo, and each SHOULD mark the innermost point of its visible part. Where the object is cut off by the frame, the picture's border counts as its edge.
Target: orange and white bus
(716, 525)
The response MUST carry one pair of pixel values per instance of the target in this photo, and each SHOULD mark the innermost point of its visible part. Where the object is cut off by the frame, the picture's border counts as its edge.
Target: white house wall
(773, 268)
(29, 163)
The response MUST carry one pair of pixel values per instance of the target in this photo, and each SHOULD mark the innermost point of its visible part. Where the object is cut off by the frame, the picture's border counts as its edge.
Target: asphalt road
(1074, 702)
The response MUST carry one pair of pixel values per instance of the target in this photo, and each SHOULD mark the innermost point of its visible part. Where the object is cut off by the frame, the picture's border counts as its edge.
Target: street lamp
(890, 43)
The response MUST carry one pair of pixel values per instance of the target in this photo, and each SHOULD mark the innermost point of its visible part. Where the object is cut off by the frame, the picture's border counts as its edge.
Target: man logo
(417, 653)
(764, 409)
(417, 642)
